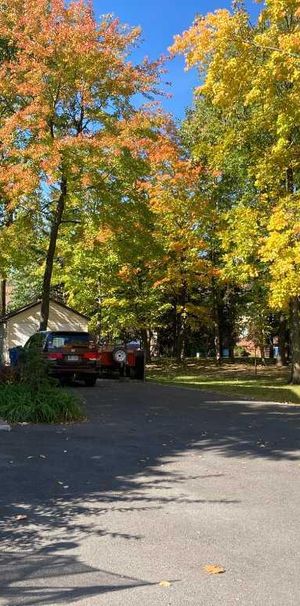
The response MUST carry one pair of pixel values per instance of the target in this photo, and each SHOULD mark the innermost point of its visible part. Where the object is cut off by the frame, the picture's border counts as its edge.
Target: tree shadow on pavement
(59, 483)
(49, 564)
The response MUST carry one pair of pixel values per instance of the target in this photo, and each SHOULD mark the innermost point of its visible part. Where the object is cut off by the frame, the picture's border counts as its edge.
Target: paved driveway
(159, 482)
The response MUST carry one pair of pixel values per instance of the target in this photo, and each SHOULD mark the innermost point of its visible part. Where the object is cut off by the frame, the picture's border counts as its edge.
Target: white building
(17, 326)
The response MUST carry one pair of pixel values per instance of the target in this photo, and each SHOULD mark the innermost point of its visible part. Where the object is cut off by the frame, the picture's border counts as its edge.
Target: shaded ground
(267, 383)
(159, 482)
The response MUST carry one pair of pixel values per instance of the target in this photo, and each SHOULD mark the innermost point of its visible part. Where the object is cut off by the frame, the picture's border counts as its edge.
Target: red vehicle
(69, 354)
(126, 359)
(75, 355)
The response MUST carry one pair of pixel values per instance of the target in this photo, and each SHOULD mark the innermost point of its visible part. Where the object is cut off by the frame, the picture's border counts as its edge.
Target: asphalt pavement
(127, 508)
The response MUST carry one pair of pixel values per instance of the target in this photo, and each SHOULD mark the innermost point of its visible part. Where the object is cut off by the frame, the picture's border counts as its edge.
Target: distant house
(17, 326)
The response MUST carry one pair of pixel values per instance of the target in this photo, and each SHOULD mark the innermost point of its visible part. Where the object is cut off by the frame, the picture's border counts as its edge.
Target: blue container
(14, 355)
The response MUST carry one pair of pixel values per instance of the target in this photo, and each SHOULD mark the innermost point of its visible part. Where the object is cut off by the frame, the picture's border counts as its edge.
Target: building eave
(12, 314)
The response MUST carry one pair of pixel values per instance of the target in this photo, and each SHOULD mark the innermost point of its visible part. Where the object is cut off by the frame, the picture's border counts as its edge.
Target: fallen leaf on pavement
(165, 584)
(213, 569)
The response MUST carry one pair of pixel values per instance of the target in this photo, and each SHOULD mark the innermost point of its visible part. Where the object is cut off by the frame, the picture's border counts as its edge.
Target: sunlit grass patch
(241, 380)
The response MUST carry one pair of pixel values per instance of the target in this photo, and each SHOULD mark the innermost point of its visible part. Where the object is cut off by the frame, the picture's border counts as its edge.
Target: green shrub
(29, 395)
(20, 404)
(33, 368)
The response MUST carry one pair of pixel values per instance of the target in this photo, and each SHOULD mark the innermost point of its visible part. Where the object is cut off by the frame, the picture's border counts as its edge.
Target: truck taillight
(90, 355)
(55, 356)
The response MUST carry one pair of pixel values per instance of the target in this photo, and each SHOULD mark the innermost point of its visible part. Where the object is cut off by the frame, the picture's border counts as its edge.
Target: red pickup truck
(126, 359)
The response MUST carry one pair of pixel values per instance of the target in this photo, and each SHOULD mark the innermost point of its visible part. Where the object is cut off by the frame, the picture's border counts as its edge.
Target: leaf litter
(214, 569)
(165, 584)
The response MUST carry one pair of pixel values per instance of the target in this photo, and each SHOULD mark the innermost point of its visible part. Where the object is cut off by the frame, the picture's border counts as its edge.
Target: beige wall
(19, 328)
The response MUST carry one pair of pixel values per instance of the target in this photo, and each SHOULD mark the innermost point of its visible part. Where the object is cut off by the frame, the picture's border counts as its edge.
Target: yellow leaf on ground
(213, 569)
(165, 584)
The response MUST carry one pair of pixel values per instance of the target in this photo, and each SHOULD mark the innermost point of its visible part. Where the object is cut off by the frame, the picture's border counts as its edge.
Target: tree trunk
(3, 287)
(295, 340)
(180, 343)
(231, 348)
(146, 337)
(51, 253)
(282, 342)
(290, 181)
(174, 328)
(3, 297)
(181, 323)
(218, 344)
(179, 337)
(219, 326)
(294, 306)
(262, 352)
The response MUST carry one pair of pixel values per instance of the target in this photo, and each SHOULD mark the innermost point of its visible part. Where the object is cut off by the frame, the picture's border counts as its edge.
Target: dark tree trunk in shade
(146, 338)
(3, 283)
(294, 307)
(180, 344)
(295, 339)
(3, 297)
(51, 254)
(282, 342)
(180, 323)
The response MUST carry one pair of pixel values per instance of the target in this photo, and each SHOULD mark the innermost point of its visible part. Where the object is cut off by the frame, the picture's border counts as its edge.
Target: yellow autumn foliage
(251, 75)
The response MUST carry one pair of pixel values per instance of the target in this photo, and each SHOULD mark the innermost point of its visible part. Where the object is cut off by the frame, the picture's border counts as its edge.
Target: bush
(33, 368)
(20, 404)
(29, 395)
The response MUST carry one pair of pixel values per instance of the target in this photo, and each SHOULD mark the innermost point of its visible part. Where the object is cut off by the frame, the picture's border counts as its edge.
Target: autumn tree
(122, 255)
(7, 52)
(144, 255)
(251, 77)
(69, 85)
(222, 182)
(180, 209)
(110, 267)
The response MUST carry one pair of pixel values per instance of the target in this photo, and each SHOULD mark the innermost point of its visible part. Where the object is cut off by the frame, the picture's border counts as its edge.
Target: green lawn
(269, 384)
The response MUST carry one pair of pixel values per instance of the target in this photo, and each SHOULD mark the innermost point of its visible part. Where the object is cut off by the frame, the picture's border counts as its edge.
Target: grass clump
(29, 395)
(20, 404)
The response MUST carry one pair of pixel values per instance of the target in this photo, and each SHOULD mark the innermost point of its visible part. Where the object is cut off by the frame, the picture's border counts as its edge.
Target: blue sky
(160, 21)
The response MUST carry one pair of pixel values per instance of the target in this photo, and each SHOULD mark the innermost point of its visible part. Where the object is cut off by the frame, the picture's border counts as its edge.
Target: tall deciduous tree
(69, 85)
(252, 77)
